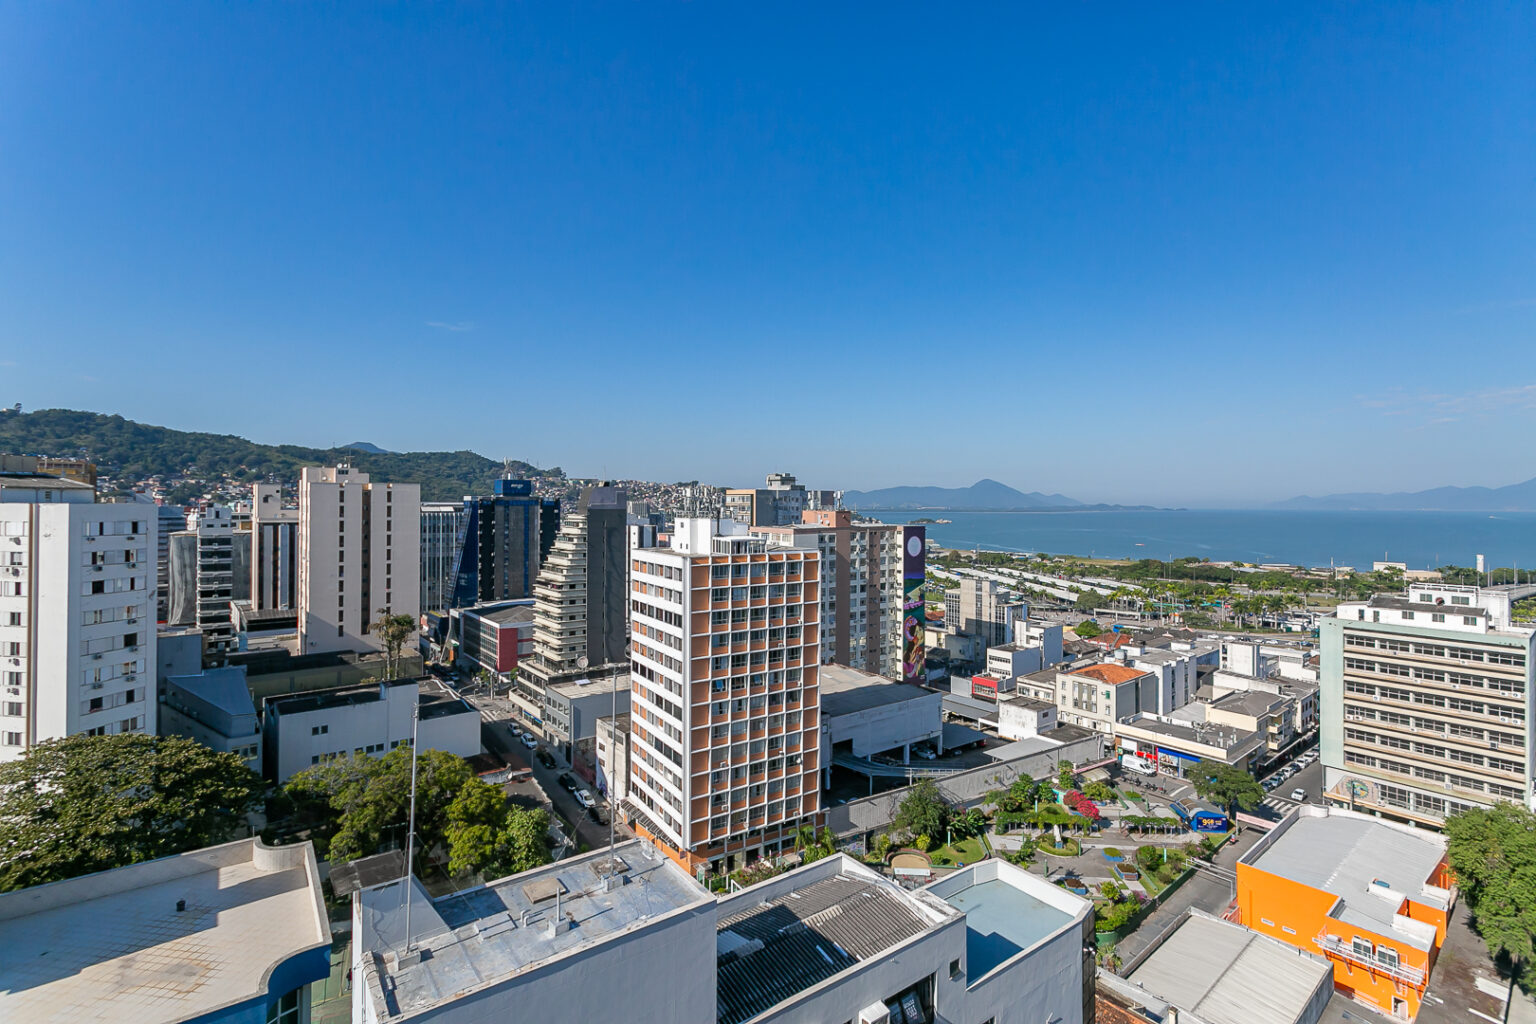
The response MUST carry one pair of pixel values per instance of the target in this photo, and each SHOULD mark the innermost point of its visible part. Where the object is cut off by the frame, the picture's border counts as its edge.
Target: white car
(528, 740)
(585, 799)
(1298, 794)
(925, 753)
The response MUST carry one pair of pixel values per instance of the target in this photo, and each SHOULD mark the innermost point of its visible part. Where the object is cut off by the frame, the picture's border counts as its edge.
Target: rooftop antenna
(613, 756)
(410, 836)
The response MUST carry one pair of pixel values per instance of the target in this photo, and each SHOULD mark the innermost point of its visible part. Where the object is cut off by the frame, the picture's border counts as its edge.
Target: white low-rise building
(827, 942)
(304, 729)
(1022, 717)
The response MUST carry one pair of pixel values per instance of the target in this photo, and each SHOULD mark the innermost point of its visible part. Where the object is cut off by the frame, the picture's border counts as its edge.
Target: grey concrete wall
(884, 727)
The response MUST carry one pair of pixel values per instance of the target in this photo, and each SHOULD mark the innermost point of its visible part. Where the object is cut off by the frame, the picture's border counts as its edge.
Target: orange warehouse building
(1371, 896)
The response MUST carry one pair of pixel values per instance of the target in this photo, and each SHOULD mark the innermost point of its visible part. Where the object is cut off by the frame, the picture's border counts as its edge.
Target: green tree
(477, 817)
(1099, 792)
(365, 802)
(813, 847)
(923, 810)
(1064, 774)
(525, 840)
(72, 806)
(1088, 629)
(1229, 788)
(1492, 851)
(393, 631)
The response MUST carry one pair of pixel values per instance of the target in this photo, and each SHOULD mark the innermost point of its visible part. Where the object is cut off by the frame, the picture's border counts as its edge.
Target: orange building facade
(1371, 896)
(725, 725)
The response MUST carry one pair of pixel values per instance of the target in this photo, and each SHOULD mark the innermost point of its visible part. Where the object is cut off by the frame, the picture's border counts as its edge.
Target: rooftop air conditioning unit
(875, 1013)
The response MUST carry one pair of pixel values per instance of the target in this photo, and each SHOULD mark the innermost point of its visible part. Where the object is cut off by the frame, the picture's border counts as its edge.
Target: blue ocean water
(1424, 540)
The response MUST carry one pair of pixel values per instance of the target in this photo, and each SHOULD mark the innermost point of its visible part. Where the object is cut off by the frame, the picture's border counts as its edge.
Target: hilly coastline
(983, 494)
(1519, 497)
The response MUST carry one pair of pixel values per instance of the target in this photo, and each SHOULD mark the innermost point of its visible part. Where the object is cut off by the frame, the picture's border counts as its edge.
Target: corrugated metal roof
(1225, 974)
(791, 943)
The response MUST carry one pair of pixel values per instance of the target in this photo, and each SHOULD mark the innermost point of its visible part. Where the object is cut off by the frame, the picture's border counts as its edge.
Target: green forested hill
(132, 451)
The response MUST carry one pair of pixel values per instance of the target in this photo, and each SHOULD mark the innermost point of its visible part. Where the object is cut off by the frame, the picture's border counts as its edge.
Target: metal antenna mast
(410, 836)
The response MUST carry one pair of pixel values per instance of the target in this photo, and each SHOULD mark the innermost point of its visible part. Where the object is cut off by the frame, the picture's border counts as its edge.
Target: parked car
(567, 781)
(1298, 795)
(585, 799)
(926, 753)
(545, 757)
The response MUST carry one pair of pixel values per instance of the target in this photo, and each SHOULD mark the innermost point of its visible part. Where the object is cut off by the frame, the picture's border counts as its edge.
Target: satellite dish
(581, 662)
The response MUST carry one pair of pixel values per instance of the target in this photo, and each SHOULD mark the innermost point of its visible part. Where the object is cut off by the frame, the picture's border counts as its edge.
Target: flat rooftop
(1227, 737)
(1225, 974)
(112, 947)
(435, 699)
(1367, 863)
(1248, 702)
(507, 616)
(486, 935)
(1007, 911)
(1024, 747)
(789, 942)
(846, 691)
(585, 686)
(1403, 604)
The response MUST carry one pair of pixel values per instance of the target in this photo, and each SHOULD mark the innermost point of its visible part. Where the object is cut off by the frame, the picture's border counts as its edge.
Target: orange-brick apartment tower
(725, 710)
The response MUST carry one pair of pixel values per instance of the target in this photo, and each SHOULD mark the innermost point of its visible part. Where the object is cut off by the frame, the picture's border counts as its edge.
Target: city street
(496, 731)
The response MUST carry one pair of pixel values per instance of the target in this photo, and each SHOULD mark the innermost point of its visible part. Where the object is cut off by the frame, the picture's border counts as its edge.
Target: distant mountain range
(370, 448)
(983, 494)
(1514, 498)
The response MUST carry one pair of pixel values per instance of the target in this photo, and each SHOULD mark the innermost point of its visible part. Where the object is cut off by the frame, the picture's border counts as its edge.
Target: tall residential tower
(359, 552)
(77, 612)
(725, 729)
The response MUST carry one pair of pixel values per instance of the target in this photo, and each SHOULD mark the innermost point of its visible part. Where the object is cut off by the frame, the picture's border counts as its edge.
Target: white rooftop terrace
(1008, 913)
(485, 936)
(112, 946)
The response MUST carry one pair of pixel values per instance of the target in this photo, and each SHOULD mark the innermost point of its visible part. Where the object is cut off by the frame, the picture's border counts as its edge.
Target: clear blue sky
(1216, 254)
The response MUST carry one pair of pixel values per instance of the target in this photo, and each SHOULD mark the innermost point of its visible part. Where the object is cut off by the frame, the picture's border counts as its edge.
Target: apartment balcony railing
(1334, 946)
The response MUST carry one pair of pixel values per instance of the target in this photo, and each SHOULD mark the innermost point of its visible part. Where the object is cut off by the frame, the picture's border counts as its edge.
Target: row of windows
(1434, 725)
(1433, 650)
(1460, 704)
(1512, 687)
(671, 618)
(1452, 754)
(1467, 782)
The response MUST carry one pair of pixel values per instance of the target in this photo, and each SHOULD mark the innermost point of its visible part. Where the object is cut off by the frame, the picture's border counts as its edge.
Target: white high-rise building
(77, 613)
(359, 552)
(725, 730)
(1427, 703)
(862, 593)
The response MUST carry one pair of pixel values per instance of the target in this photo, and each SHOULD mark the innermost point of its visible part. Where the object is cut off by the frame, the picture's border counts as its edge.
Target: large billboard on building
(914, 619)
